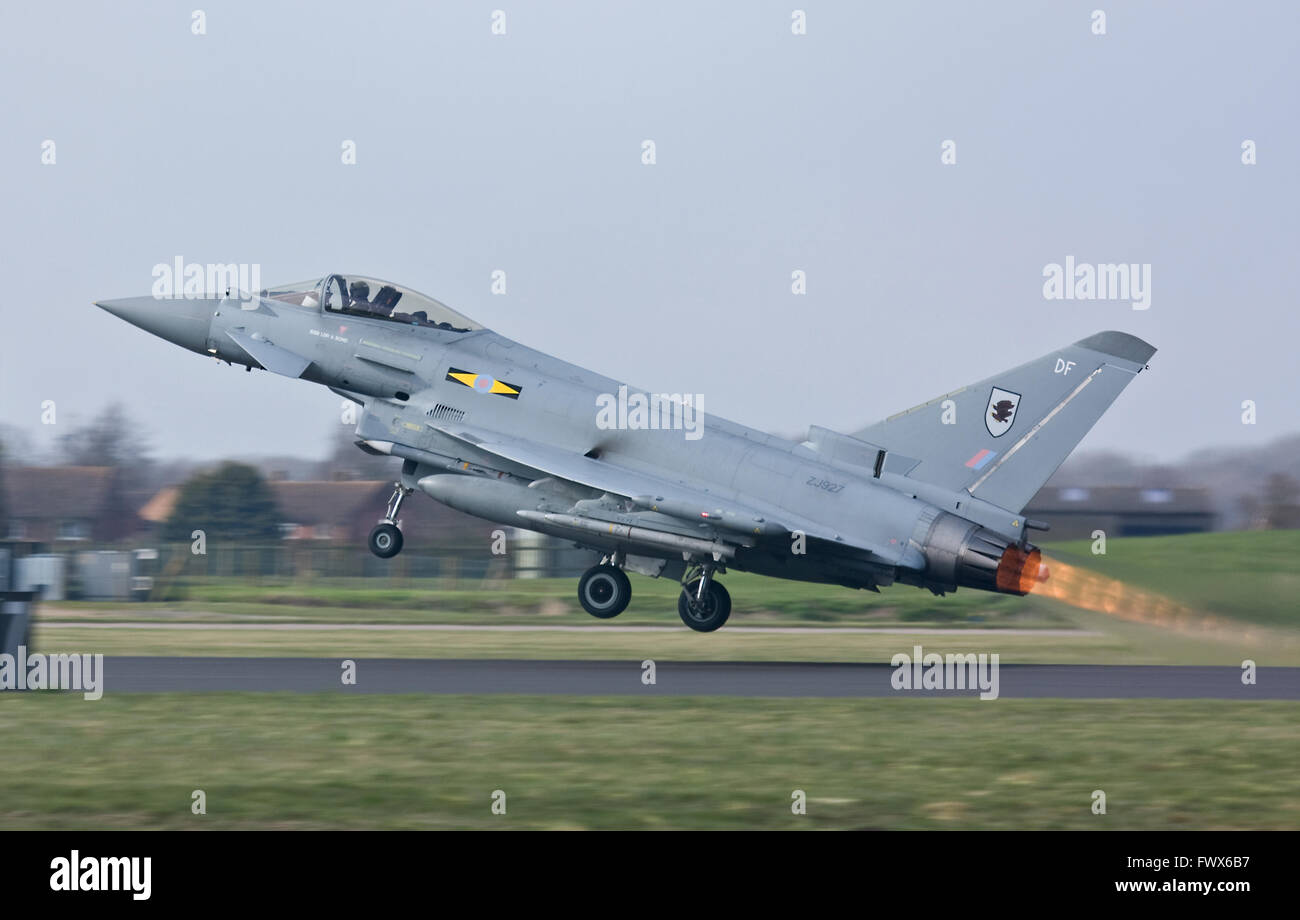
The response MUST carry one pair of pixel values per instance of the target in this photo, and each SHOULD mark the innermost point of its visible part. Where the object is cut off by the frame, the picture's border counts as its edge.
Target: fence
(155, 573)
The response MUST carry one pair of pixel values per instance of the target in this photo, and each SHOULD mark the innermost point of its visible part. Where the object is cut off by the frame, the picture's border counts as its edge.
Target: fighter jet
(930, 497)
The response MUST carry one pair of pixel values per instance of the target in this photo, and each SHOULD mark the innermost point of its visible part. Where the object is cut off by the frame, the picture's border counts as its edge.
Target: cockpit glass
(357, 295)
(299, 293)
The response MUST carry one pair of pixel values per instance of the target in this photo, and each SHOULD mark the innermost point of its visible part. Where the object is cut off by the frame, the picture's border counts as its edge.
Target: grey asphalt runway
(749, 679)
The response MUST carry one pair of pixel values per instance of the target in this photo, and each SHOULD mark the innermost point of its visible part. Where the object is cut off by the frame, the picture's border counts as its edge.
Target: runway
(625, 678)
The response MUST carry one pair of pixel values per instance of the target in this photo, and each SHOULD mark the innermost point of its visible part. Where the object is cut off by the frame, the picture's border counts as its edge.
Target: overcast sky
(775, 152)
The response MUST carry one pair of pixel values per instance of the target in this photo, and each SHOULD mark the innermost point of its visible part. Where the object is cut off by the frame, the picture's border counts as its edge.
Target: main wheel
(604, 591)
(386, 541)
(704, 615)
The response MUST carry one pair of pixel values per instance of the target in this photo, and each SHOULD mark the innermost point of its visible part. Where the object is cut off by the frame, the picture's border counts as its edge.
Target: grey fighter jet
(931, 497)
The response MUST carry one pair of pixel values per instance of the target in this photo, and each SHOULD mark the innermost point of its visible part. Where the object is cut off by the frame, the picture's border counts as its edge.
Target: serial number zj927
(825, 484)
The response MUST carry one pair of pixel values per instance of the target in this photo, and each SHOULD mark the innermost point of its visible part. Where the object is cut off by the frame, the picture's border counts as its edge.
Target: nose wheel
(386, 539)
(604, 591)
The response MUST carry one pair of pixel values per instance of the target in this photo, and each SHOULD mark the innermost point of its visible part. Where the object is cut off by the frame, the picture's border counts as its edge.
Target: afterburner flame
(1087, 590)
(1020, 572)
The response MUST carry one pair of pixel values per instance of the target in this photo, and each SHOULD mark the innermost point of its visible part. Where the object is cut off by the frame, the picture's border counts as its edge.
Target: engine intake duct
(960, 553)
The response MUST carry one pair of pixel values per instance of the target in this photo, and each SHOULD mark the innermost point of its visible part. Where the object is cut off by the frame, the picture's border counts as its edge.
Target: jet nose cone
(181, 322)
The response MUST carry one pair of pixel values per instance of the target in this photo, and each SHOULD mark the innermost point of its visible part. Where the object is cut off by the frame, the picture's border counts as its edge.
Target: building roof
(329, 502)
(159, 508)
(1121, 500)
(345, 509)
(62, 492)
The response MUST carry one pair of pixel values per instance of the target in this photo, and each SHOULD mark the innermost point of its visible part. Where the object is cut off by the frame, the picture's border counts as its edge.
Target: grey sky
(775, 152)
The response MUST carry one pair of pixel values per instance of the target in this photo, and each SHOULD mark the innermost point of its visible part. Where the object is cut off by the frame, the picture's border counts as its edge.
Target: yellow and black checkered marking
(484, 383)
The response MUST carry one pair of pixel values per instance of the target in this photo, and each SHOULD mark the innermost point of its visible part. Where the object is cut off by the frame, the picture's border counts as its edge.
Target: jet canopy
(359, 295)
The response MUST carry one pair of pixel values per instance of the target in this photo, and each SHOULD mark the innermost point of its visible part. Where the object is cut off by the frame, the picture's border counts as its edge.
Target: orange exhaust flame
(1019, 572)
(1087, 590)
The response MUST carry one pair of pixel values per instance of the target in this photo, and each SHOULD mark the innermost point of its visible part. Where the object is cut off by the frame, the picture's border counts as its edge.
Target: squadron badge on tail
(1001, 411)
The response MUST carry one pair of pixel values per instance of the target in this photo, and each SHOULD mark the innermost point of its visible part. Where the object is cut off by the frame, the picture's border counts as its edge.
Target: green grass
(1113, 642)
(307, 761)
(554, 600)
(1251, 577)
(600, 642)
(318, 761)
(1248, 580)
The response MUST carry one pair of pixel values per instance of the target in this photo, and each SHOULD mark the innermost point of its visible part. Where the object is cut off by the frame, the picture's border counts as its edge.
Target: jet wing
(649, 491)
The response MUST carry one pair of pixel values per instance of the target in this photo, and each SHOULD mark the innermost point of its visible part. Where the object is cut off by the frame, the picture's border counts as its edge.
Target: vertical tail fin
(1002, 438)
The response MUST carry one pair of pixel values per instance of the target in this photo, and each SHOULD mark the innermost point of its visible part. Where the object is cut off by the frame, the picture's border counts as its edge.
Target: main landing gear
(604, 590)
(704, 604)
(386, 539)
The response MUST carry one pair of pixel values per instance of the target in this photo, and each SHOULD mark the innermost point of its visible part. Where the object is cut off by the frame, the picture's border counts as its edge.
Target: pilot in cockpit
(359, 293)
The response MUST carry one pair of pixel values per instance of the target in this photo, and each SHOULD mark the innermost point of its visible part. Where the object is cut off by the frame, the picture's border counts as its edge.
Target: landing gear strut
(386, 539)
(704, 604)
(604, 590)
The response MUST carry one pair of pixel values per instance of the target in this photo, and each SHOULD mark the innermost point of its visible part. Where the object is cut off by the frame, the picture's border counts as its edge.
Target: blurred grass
(756, 601)
(307, 761)
(1246, 578)
(1103, 641)
(1252, 577)
(612, 642)
(320, 761)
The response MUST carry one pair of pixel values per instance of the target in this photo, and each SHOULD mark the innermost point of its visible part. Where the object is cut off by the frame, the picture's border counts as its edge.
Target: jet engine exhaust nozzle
(1019, 572)
(959, 553)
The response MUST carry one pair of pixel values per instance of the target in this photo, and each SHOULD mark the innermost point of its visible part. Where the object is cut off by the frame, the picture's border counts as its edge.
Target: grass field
(1247, 581)
(1113, 642)
(330, 760)
(1251, 576)
(303, 761)
(760, 601)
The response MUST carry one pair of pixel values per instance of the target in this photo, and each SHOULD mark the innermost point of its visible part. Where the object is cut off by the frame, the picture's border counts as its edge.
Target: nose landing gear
(386, 539)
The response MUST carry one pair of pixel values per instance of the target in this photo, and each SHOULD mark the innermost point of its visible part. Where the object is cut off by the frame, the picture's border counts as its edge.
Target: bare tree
(112, 438)
(347, 461)
(1280, 505)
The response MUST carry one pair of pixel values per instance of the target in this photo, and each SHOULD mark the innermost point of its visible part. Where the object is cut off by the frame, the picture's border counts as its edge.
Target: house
(67, 505)
(333, 516)
(345, 511)
(1074, 512)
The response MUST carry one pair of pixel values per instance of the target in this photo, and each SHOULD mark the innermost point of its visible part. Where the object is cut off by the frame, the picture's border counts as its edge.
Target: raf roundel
(484, 383)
